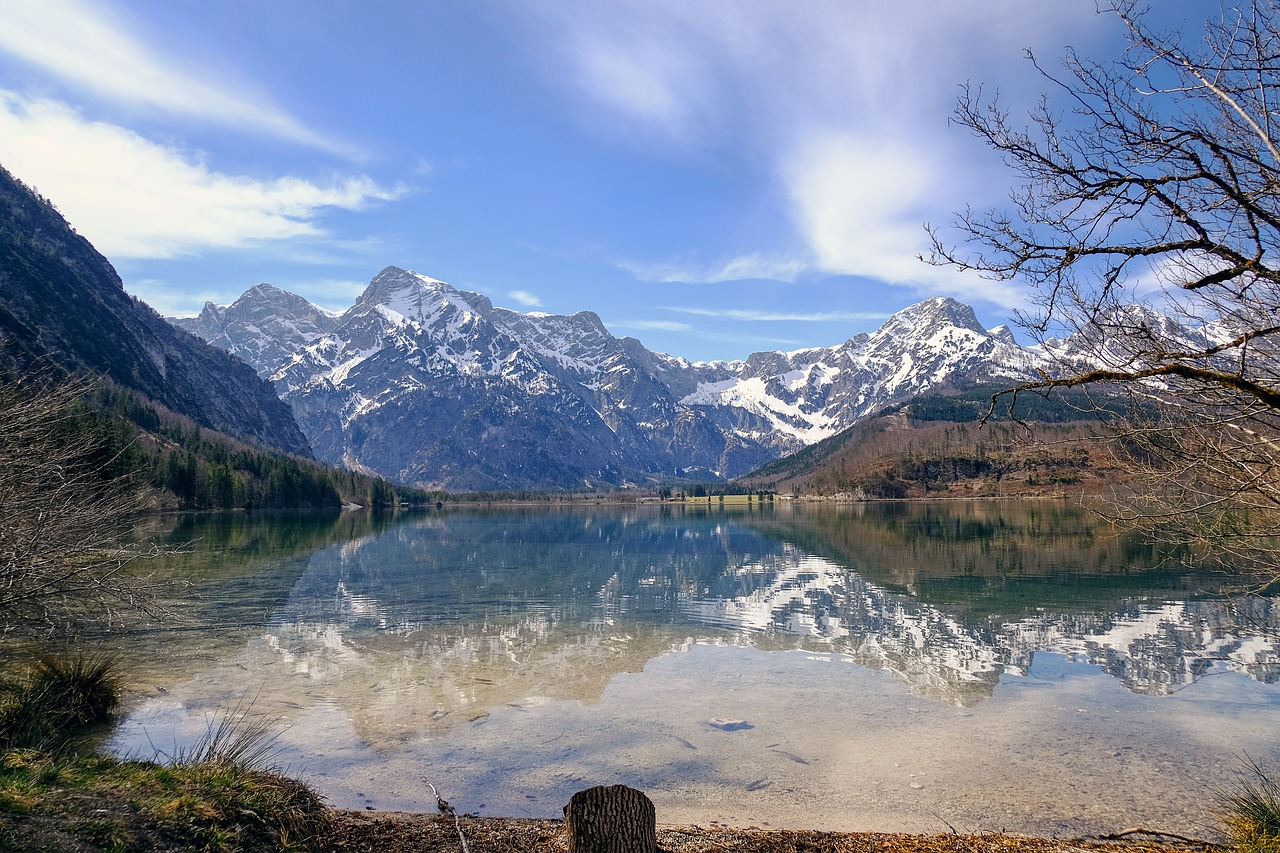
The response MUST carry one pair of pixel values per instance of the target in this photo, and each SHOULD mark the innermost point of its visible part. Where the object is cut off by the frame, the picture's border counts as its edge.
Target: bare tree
(1150, 191)
(63, 523)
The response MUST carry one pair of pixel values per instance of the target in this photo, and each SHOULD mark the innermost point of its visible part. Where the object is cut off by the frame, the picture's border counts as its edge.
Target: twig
(1138, 830)
(442, 805)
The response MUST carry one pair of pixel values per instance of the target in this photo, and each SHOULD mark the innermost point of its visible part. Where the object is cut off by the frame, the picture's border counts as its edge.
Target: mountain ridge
(435, 386)
(63, 306)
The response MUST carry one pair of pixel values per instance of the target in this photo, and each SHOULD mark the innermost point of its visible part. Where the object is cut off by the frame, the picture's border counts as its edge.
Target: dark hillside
(62, 304)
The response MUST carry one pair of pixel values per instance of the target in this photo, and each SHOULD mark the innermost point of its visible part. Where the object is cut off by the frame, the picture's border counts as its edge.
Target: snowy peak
(402, 295)
(931, 314)
(578, 343)
(1004, 335)
(264, 327)
(808, 395)
(428, 384)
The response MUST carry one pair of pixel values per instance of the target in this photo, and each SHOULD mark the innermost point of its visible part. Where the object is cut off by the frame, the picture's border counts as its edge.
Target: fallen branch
(1138, 830)
(442, 805)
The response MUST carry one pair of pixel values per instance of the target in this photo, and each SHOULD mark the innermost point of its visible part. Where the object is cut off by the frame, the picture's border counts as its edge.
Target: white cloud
(640, 81)
(861, 204)
(840, 106)
(171, 301)
(751, 266)
(133, 198)
(525, 298)
(653, 325)
(77, 41)
(781, 316)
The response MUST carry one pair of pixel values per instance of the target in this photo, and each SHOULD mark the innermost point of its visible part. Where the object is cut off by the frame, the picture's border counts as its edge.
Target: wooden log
(611, 819)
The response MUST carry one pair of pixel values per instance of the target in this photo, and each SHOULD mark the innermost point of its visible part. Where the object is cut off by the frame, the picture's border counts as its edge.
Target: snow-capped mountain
(427, 384)
(812, 394)
(265, 326)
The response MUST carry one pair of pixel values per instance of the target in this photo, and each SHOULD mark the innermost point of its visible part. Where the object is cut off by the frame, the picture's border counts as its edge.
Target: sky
(714, 178)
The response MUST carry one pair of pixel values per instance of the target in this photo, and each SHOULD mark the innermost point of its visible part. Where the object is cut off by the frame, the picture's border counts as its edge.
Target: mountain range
(434, 386)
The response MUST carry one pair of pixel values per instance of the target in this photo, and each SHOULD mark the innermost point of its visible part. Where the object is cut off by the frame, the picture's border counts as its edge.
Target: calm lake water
(890, 667)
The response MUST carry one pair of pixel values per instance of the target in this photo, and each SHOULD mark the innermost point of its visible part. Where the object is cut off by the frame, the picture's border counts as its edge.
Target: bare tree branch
(64, 557)
(1155, 199)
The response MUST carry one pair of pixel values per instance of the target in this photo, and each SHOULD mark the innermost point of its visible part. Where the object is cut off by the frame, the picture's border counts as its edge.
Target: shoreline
(402, 832)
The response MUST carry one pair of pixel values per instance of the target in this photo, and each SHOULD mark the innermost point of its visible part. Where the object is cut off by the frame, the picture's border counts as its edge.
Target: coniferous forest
(203, 469)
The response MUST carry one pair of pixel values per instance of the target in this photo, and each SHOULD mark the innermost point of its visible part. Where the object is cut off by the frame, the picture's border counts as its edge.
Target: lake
(893, 667)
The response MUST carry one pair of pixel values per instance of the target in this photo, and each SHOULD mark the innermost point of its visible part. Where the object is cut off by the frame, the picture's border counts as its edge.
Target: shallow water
(916, 668)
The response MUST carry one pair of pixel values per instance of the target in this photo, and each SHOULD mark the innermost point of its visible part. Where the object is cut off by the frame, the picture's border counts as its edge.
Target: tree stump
(611, 819)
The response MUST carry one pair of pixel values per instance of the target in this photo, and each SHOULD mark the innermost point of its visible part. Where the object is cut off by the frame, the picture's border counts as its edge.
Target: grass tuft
(56, 699)
(219, 795)
(1251, 810)
(214, 805)
(235, 737)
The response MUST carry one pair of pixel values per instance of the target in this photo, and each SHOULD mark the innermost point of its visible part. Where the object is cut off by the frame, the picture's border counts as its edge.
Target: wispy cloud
(525, 298)
(841, 106)
(79, 42)
(136, 199)
(754, 266)
(781, 316)
(171, 301)
(653, 325)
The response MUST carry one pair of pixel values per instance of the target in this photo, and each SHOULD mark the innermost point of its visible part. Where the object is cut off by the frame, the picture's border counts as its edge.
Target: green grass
(220, 795)
(212, 805)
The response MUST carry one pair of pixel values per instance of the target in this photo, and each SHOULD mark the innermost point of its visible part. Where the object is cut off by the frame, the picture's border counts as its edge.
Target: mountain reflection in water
(947, 597)
(434, 624)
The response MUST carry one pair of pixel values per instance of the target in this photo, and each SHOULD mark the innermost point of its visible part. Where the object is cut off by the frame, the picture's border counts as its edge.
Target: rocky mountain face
(427, 384)
(62, 305)
(809, 395)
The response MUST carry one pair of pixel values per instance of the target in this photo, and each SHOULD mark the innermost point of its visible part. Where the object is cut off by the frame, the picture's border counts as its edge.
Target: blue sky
(713, 178)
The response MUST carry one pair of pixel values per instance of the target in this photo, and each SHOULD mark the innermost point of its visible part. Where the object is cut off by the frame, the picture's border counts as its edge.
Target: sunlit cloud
(841, 107)
(134, 198)
(755, 266)
(79, 42)
(861, 206)
(525, 298)
(781, 316)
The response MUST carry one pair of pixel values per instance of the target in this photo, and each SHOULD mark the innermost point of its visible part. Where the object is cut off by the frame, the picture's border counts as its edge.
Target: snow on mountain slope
(264, 327)
(811, 394)
(427, 384)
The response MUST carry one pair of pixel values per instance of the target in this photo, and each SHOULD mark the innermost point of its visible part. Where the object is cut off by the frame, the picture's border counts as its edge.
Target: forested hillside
(955, 445)
(199, 468)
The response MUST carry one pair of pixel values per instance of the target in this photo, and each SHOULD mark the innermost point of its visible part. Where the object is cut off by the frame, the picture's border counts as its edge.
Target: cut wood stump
(611, 819)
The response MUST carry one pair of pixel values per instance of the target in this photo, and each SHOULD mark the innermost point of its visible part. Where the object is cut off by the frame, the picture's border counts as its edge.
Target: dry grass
(1251, 810)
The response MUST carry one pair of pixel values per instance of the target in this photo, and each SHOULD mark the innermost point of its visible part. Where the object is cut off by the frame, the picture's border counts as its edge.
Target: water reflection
(439, 623)
(527, 597)
(551, 603)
